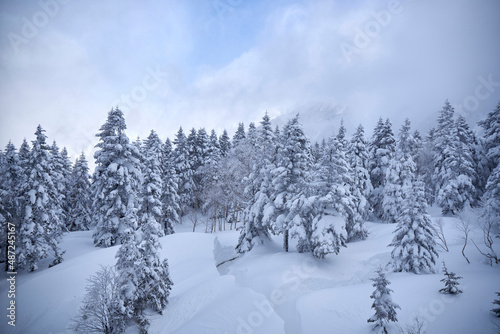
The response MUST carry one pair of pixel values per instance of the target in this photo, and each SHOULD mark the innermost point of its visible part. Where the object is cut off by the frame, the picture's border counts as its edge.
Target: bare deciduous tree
(99, 312)
(490, 254)
(465, 227)
(437, 228)
(416, 327)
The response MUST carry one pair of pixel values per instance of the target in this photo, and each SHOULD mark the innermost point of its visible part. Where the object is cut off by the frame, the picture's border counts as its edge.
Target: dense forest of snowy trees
(265, 181)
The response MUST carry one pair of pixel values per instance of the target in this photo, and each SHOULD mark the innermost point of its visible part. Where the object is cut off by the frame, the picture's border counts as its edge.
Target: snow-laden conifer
(239, 135)
(450, 281)
(382, 148)
(259, 189)
(359, 161)
(496, 308)
(289, 180)
(414, 246)
(116, 182)
(40, 229)
(385, 308)
(79, 200)
(169, 197)
(183, 169)
(400, 175)
(224, 143)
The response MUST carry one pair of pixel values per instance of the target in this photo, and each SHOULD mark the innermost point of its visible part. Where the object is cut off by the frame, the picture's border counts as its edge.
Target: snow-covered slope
(268, 290)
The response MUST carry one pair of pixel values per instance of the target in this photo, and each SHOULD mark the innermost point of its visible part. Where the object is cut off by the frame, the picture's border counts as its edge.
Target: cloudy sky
(214, 63)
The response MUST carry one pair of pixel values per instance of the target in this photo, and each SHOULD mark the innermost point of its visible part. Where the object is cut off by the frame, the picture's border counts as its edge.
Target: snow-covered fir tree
(224, 143)
(491, 197)
(153, 276)
(414, 246)
(454, 170)
(450, 281)
(289, 180)
(491, 126)
(41, 226)
(400, 174)
(252, 134)
(61, 171)
(184, 171)
(169, 198)
(11, 176)
(116, 182)
(199, 154)
(336, 187)
(128, 267)
(258, 189)
(152, 186)
(496, 302)
(425, 166)
(239, 135)
(359, 161)
(79, 201)
(382, 148)
(385, 308)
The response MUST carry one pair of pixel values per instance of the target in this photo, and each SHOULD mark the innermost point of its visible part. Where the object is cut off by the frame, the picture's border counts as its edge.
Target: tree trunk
(285, 240)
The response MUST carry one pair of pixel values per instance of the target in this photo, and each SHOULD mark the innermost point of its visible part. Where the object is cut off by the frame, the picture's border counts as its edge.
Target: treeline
(269, 181)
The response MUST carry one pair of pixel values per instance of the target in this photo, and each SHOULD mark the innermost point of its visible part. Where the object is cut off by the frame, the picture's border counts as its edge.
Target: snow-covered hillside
(268, 290)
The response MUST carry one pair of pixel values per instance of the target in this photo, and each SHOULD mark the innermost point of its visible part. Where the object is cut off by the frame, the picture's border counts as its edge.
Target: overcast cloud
(216, 63)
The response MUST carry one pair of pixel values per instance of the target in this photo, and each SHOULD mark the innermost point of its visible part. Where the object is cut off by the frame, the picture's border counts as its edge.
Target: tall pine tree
(116, 182)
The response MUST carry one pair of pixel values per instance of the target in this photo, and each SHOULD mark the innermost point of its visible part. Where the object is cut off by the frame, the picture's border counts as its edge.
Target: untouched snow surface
(268, 290)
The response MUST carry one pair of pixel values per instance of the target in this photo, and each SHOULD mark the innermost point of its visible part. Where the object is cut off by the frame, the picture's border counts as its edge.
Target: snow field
(268, 290)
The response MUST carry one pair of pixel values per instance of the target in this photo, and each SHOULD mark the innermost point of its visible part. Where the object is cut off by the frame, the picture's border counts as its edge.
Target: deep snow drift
(268, 290)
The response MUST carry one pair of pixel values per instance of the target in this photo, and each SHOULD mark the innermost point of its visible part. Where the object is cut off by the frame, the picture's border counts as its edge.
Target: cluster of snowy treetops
(270, 181)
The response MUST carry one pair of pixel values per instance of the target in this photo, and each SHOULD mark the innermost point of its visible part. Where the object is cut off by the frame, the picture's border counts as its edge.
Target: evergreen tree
(425, 166)
(116, 182)
(153, 277)
(200, 158)
(258, 189)
(151, 206)
(214, 150)
(491, 126)
(400, 174)
(289, 180)
(61, 171)
(491, 196)
(456, 175)
(170, 198)
(184, 171)
(454, 169)
(382, 148)
(79, 201)
(328, 234)
(359, 160)
(341, 137)
(450, 282)
(496, 302)
(224, 143)
(40, 228)
(239, 134)
(385, 308)
(252, 134)
(129, 268)
(336, 185)
(11, 177)
(414, 245)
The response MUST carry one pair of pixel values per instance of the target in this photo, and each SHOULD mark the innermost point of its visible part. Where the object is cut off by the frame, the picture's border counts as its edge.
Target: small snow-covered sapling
(450, 282)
